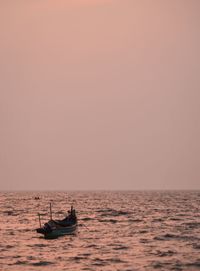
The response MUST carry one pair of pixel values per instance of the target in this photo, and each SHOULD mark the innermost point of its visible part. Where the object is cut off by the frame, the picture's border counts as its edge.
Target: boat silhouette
(55, 228)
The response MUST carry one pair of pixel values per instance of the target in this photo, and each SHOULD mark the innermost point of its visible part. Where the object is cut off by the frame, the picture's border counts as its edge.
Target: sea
(118, 230)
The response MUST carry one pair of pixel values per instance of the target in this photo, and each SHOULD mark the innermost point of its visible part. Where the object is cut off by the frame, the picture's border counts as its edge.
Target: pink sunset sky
(98, 94)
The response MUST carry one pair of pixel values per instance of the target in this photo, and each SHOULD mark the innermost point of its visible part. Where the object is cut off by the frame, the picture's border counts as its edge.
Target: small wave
(167, 253)
(22, 221)
(87, 219)
(143, 231)
(144, 241)
(115, 260)
(169, 236)
(160, 265)
(181, 214)
(194, 264)
(38, 245)
(157, 220)
(42, 263)
(112, 212)
(86, 254)
(192, 225)
(135, 220)
(108, 220)
(20, 262)
(91, 246)
(77, 258)
(175, 219)
(10, 213)
(104, 210)
(196, 246)
(164, 237)
(25, 230)
(31, 258)
(121, 247)
(99, 262)
(8, 246)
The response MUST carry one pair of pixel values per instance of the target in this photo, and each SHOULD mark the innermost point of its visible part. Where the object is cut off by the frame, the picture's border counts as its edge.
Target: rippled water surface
(117, 231)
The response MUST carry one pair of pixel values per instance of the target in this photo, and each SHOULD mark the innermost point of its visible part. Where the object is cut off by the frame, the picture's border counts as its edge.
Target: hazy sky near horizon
(99, 94)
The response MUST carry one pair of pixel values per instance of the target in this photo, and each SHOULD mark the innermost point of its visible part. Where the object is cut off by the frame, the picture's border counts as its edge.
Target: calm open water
(118, 231)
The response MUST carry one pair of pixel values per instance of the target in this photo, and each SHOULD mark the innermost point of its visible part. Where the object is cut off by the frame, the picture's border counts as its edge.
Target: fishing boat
(55, 228)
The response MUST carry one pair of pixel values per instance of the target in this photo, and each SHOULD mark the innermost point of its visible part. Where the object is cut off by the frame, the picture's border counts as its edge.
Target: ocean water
(117, 231)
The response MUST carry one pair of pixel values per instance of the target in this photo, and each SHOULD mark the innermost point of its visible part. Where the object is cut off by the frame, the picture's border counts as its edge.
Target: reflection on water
(117, 231)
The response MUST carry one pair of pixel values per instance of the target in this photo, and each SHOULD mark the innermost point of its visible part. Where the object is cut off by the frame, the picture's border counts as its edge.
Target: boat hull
(61, 231)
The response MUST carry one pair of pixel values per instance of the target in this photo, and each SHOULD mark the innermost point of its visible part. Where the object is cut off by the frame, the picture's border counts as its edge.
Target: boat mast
(50, 211)
(39, 220)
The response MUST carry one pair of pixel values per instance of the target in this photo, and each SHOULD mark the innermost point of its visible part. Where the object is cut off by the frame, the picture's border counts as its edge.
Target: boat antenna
(39, 220)
(50, 211)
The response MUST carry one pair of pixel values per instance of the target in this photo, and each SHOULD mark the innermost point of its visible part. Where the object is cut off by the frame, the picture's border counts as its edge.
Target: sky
(99, 94)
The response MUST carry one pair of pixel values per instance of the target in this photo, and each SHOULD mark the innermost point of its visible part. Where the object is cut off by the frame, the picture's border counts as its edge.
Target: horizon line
(102, 190)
